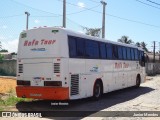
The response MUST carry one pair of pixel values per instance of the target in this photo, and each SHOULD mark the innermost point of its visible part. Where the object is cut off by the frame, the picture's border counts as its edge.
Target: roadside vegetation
(9, 99)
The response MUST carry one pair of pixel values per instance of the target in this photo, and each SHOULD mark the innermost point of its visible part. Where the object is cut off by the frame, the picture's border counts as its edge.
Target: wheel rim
(97, 91)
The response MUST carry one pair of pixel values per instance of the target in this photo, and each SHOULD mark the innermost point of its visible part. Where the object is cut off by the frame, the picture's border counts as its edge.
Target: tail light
(22, 82)
(52, 83)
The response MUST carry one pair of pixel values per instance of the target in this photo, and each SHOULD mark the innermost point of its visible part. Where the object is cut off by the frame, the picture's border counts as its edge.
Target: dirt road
(145, 98)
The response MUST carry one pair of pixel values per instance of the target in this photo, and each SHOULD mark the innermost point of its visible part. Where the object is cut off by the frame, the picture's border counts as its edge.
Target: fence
(152, 68)
(8, 67)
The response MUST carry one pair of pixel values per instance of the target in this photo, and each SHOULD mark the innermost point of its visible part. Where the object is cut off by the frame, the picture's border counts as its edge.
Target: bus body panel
(44, 63)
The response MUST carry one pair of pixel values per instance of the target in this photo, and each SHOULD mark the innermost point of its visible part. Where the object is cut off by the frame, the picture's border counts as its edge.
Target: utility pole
(159, 51)
(103, 18)
(154, 47)
(28, 14)
(64, 13)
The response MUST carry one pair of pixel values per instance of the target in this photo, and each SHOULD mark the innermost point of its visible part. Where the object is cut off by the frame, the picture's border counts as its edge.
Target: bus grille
(56, 67)
(74, 84)
(20, 68)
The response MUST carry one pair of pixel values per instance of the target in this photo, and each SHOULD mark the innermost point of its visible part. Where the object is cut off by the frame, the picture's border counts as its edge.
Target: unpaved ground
(145, 98)
(7, 85)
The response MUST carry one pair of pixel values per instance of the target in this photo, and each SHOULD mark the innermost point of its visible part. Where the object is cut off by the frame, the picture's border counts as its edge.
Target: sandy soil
(7, 85)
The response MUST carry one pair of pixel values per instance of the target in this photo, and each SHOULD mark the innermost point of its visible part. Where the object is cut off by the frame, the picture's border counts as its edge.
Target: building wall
(8, 67)
(152, 68)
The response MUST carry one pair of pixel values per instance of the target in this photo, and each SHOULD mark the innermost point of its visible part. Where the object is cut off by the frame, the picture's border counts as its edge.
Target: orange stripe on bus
(48, 93)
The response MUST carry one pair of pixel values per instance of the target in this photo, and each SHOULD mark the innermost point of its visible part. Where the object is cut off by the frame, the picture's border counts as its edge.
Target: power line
(12, 16)
(153, 2)
(147, 4)
(91, 9)
(94, 1)
(83, 10)
(70, 13)
(32, 7)
(75, 23)
(117, 16)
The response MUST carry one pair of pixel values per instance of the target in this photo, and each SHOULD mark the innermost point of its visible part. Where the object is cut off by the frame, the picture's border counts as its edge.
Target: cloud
(81, 4)
(36, 21)
(11, 46)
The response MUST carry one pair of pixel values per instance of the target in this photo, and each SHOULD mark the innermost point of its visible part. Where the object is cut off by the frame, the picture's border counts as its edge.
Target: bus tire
(97, 90)
(138, 81)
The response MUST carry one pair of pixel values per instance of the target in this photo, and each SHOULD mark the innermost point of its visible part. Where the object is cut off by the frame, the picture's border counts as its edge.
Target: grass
(11, 100)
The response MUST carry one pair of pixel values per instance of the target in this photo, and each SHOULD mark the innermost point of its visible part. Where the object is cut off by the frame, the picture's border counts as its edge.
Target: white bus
(59, 64)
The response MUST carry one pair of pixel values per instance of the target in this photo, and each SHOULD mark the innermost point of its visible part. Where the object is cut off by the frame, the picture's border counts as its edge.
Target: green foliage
(3, 73)
(92, 31)
(1, 57)
(125, 39)
(12, 100)
(3, 50)
(143, 45)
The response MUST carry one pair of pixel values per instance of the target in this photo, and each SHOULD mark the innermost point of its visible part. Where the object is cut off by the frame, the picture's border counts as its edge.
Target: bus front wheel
(97, 91)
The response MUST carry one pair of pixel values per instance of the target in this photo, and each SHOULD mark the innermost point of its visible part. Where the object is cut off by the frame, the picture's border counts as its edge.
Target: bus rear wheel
(138, 81)
(97, 91)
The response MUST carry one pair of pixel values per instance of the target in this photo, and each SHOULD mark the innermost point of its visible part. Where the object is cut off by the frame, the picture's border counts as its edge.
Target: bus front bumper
(46, 93)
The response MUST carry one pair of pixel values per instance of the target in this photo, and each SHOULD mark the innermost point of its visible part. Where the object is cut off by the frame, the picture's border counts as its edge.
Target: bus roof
(82, 35)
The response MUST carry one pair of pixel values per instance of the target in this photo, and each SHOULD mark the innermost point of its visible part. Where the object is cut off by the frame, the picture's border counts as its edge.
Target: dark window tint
(103, 51)
(115, 52)
(124, 53)
(72, 47)
(80, 47)
(136, 54)
(141, 55)
(128, 54)
(132, 53)
(109, 51)
(120, 53)
(92, 49)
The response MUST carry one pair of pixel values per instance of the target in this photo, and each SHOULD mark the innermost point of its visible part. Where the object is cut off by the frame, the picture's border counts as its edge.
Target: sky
(137, 19)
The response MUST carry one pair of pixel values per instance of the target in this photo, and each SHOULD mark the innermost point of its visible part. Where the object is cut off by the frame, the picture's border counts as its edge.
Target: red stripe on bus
(50, 93)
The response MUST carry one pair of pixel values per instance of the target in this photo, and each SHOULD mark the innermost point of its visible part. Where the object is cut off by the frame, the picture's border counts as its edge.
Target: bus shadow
(82, 105)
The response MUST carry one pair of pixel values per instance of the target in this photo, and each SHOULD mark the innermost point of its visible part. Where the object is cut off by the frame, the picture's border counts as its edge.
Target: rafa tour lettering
(41, 42)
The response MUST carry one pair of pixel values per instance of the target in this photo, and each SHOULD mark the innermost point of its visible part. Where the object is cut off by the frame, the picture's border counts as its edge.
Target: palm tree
(144, 46)
(124, 39)
(138, 44)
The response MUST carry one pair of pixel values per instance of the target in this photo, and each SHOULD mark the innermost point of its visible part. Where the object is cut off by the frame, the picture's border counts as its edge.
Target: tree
(3, 50)
(93, 31)
(138, 44)
(0, 45)
(144, 46)
(124, 39)
(1, 58)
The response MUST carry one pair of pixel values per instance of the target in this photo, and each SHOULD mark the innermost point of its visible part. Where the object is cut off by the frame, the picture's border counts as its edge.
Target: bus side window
(92, 49)
(103, 52)
(115, 52)
(120, 53)
(80, 47)
(72, 47)
(136, 54)
(109, 51)
(128, 54)
(124, 53)
(132, 54)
